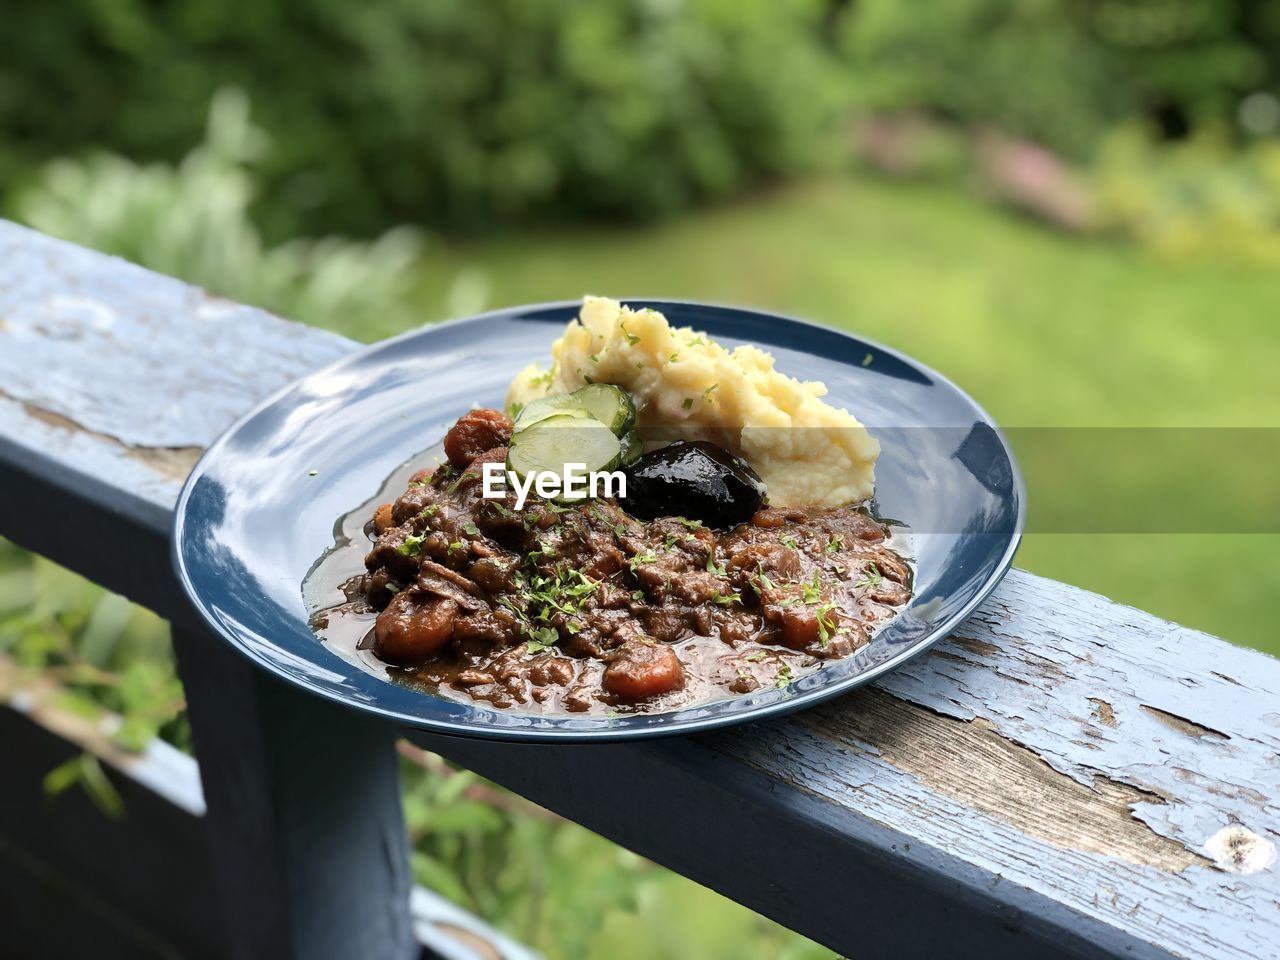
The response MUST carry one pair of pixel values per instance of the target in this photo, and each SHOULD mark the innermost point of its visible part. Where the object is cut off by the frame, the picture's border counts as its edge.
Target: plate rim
(611, 729)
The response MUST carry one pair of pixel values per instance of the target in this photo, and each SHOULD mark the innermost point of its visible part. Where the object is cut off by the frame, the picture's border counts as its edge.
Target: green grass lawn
(1041, 328)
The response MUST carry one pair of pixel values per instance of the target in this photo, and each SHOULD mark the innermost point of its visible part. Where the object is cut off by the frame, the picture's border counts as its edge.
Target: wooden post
(306, 833)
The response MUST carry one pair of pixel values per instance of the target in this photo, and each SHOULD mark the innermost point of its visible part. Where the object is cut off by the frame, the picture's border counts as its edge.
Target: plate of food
(599, 520)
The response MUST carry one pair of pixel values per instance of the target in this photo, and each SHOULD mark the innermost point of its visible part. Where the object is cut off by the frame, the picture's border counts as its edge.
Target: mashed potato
(687, 386)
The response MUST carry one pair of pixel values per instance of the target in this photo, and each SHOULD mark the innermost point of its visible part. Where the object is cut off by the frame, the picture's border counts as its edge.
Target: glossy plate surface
(260, 507)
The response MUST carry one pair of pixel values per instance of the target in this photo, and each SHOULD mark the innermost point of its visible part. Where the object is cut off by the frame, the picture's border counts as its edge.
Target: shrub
(192, 221)
(396, 110)
(1061, 72)
(106, 653)
(1201, 198)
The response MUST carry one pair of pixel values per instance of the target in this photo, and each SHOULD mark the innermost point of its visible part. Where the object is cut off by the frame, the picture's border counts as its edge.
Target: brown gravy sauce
(714, 669)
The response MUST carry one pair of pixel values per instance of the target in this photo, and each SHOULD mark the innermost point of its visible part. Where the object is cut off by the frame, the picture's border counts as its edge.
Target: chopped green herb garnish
(457, 545)
(717, 568)
(542, 638)
(631, 337)
(688, 403)
(706, 394)
(872, 577)
(539, 597)
(312, 473)
(784, 677)
(674, 358)
(825, 629)
(471, 529)
(788, 540)
(757, 656)
(640, 559)
(866, 361)
(691, 524)
(835, 543)
(411, 547)
(728, 598)
(812, 590)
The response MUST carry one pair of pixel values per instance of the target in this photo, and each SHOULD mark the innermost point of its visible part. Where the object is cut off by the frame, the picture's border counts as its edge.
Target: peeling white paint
(96, 340)
(1240, 850)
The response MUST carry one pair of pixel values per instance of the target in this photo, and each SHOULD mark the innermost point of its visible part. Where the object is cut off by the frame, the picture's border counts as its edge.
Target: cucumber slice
(632, 447)
(556, 440)
(610, 405)
(543, 407)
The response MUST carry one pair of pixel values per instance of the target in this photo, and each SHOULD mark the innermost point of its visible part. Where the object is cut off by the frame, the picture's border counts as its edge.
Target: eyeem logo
(574, 483)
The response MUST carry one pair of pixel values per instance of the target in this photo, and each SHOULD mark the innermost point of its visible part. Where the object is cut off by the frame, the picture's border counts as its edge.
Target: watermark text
(574, 483)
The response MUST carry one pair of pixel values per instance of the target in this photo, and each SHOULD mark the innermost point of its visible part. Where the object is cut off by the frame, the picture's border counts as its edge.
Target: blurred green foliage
(191, 220)
(465, 114)
(454, 111)
(1203, 198)
(108, 656)
(462, 113)
(1061, 72)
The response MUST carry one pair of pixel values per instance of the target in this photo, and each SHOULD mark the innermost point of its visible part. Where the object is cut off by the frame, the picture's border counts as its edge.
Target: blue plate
(261, 505)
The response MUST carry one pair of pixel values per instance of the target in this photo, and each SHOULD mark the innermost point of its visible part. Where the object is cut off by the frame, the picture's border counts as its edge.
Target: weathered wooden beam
(1063, 777)
(304, 814)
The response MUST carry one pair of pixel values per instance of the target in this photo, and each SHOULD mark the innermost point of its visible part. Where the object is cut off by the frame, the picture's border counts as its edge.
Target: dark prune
(693, 479)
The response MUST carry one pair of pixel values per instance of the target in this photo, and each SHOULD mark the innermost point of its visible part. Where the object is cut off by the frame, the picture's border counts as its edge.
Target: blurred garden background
(1069, 207)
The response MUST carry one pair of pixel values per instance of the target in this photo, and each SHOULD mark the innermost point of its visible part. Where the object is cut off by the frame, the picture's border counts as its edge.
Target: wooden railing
(1064, 777)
